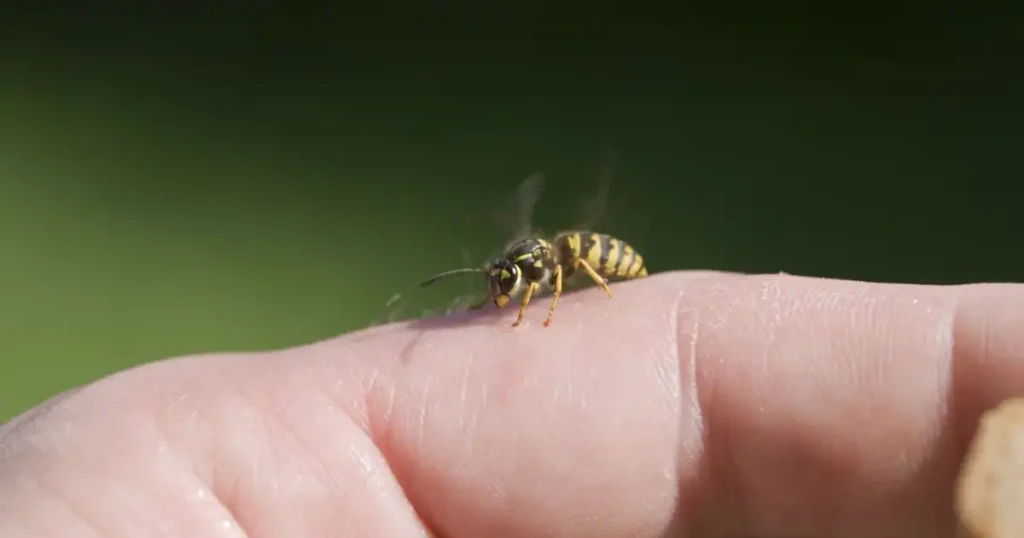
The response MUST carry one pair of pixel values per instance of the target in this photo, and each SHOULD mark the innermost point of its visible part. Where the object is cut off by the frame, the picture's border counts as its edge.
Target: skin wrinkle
(372, 492)
(378, 400)
(376, 428)
(988, 357)
(669, 375)
(944, 371)
(381, 422)
(962, 390)
(301, 445)
(424, 404)
(718, 509)
(295, 465)
(674, 390)
(229, 469)
(463, 392)
(182, 408)
(945, 448)
(253, 453)
(368, 418)
(943, 453)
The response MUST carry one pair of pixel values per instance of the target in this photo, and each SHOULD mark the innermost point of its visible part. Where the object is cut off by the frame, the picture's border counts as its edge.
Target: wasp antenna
(453, 272)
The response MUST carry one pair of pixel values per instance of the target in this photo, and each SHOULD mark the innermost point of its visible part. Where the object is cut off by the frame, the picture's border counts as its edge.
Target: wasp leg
(558, 293)
(526, 300)
(597, 278)
(479, 304)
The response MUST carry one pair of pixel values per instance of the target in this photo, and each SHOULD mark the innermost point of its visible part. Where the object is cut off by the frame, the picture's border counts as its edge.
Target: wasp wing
(596, 207)
(526, 197)
(594, 210)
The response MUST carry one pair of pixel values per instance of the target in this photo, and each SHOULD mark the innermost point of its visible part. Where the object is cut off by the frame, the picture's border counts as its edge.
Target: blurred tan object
(990, 490)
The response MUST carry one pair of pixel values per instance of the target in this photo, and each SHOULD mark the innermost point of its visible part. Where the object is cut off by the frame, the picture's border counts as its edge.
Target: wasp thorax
(502, 280)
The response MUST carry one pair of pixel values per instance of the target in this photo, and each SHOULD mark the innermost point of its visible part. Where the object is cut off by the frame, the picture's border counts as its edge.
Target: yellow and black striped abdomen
(612, 258)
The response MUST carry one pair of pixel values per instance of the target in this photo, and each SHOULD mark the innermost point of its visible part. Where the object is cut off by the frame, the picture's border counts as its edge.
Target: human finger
(731, 404)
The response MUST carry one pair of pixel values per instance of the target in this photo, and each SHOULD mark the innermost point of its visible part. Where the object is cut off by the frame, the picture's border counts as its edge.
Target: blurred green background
(177, 183)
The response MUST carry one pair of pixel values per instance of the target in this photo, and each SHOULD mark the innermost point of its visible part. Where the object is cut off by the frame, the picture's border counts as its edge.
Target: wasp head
(503, 279)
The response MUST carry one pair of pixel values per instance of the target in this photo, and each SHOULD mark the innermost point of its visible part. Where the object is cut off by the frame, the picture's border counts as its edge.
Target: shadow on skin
(500, 317)
(488, 315)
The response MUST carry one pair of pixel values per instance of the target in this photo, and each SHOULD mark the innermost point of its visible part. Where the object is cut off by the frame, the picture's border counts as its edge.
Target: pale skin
(690, 404)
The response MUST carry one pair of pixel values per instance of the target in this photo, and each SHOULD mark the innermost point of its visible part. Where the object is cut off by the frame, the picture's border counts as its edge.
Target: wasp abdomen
(612, 258)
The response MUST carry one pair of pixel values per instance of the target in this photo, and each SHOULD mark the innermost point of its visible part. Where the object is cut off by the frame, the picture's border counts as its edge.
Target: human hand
(690, 404)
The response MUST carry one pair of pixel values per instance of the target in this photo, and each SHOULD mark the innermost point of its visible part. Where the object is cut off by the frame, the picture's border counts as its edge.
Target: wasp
(534, 265)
